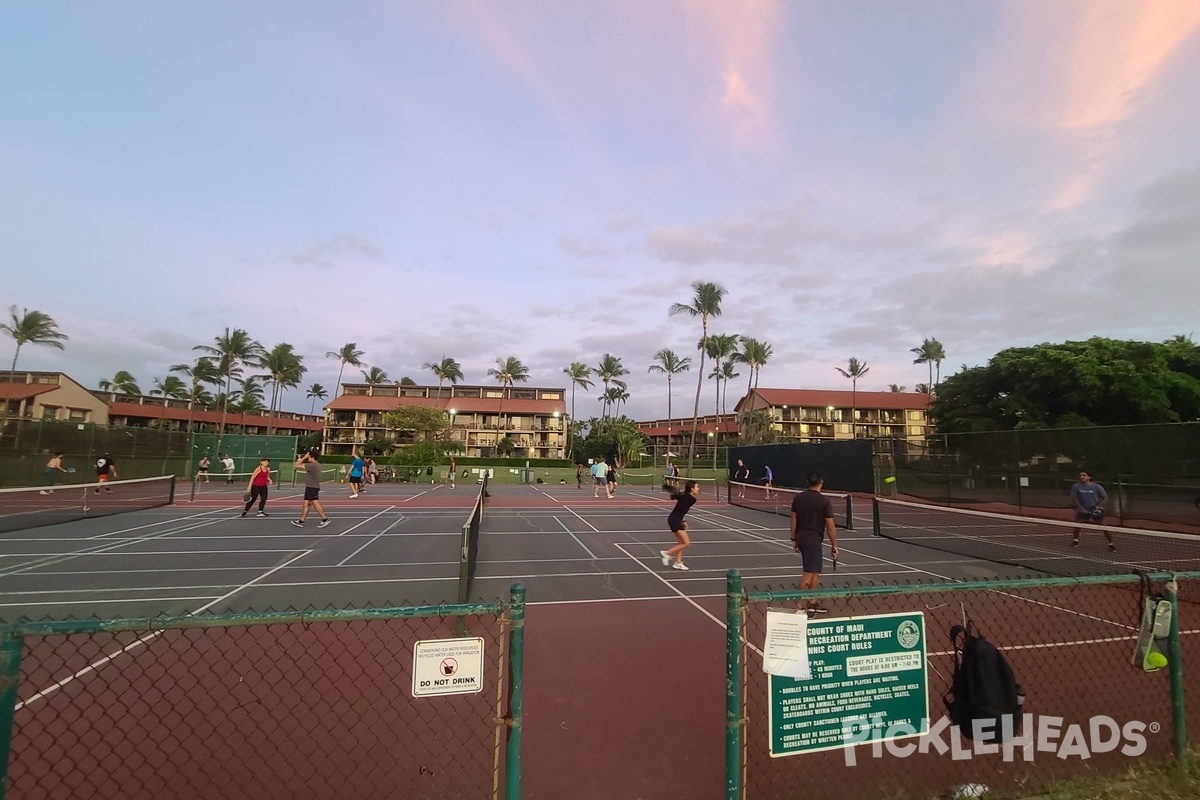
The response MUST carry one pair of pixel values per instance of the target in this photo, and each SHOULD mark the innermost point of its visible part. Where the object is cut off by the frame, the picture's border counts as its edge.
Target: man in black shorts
(812, 518)
(312, 489)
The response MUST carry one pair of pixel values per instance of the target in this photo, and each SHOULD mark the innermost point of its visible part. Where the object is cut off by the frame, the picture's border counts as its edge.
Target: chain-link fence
(1070, 642)
(27, 444)
(1151, 472)
(328, 704)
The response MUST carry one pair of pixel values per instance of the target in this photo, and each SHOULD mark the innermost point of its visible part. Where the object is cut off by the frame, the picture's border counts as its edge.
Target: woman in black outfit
(683, 502)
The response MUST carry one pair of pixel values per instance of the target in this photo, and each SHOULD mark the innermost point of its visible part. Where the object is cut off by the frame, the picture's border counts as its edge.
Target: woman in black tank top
(683, 502)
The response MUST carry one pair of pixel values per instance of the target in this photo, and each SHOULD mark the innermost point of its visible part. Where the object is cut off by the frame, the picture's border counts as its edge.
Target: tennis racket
(246, 497)
(70, 470)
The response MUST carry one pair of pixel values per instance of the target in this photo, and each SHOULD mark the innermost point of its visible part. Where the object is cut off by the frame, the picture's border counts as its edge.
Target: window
(49, 412)
(916, 416)
(915, 430)
(79, 415)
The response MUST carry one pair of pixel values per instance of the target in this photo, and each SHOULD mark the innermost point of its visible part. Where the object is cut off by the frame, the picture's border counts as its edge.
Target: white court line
(116, 600)
(163, 522)
(369, 542)
(365, 521)
(576, 538)
(581, 519)
(668, 584)
(139, 642)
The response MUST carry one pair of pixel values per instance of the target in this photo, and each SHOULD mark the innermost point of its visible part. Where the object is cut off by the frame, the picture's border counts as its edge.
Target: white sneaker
(43, 492)
(262, 514)
(679, 565)
(298, 523)
(666, 557)
(353, 496)
(323, 523)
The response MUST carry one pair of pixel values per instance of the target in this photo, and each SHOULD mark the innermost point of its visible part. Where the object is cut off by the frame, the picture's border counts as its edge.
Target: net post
(875, 517)
(734, 611)
(194, 478)
(171, 493)
(1179, 739)
(849, 513)
(10, 676)
(516, 661)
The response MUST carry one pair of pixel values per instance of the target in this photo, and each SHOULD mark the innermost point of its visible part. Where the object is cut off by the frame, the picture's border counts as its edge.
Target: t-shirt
(228, 462)
(1088, 496)
(356, 467)
(742, 473)
(103, 464)
(682, 504)
(600, 470)
(811, 509)
(312, 475)
(770, 476)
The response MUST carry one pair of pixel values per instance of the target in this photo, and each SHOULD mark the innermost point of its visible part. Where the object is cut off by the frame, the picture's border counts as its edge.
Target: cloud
(621, 222)
(582, 250)
(337, 251)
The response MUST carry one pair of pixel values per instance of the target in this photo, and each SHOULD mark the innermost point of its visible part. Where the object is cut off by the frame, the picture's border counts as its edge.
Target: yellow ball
(890, 479)
(1156, 660)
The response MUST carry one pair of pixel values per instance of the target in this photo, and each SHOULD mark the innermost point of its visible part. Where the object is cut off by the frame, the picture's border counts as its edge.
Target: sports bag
(982, 688)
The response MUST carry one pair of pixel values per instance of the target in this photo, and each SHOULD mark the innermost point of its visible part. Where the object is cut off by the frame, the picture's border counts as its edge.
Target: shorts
(355, 478)
(203, 470)
(102, 477)
(1086, 516)
(676, 524)
(601, 481)
(311, 494)
(810, 553)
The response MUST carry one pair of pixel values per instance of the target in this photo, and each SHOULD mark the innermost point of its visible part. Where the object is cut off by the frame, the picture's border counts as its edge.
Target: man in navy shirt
(812, 520)
(1088, 498)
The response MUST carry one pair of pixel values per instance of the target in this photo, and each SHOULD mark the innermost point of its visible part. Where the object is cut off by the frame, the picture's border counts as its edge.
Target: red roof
(822, 398)
(24, 391)
(119, 409)
(466, 405)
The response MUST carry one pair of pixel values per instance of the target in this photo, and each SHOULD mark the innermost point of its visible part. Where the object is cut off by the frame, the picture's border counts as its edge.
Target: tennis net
(233, 483)
(709, 488)
(779, 501)
(469, 552)
(21, 509)
(1044, 545)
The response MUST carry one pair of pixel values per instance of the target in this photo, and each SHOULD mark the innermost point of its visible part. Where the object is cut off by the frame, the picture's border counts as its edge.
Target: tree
(508, 371)
(445, 370)
(284, 369)
(613, 396)
(610, 370)
(669, 364)
(754, 354)
(505, 446)
(348, 354)
(32, 327)
(728, 373)
(249, 396)
(121, 383)
(374, 376)
(756, 426)
(315, 392)
(854, 370)
(895, 387)
(425, 423)
(203, 371)
(231, 350)
(406, 381)
(1095, 382)
(706, 303)
(932, 353)
(921, 388)
(720, 347)
(170, 387)
(579, 373)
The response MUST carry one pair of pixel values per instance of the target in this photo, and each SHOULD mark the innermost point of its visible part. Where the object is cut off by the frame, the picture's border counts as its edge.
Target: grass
(1152, 781)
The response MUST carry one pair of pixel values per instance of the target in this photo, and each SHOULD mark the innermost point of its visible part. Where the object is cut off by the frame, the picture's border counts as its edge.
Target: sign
(786, 649)
(867, 672)
(447, 666)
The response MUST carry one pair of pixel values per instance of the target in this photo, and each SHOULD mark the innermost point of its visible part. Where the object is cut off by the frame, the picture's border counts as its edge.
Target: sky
(478, 180)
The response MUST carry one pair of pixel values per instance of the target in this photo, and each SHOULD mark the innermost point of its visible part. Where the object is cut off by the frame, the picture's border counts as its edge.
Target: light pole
(712, 437)
(832, 429)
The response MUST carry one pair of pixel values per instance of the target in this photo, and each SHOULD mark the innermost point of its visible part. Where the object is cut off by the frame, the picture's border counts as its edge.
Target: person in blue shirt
(1088, 498)
(769, 480)
(356, 475)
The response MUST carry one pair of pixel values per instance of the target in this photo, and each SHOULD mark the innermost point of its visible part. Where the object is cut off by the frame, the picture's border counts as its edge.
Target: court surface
(625, 658)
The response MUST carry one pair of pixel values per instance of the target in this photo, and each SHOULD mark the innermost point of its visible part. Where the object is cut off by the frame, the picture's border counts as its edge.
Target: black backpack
(982, 687)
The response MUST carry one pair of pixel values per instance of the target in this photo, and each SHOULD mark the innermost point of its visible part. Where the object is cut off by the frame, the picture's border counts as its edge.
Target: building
(480, 416)
(675, 435)
(56, 396)
(50, 396)
(818, 415)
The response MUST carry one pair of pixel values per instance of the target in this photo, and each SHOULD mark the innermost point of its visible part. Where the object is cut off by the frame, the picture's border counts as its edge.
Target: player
(227, 463)
(683, 503)
(611, 477)
(202, 468)
(260, 482)
(312, 489)
(106, 470)
(769, 480)
(812, 520)
(1088, 498)
(741, 475)
(600, 477)
(53, 468)
(356, 475)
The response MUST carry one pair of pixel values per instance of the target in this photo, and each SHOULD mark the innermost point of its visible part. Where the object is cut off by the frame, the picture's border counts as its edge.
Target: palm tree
(171, 387)
(854, 370)
(719, 347)
(375, 376)
(670, 365)
(895, 387)
(349, 354)
(32, 327)
(579, 373)
(231, 350)
(921, 388)
(754, 354)
(202, 372)
(284, 370)
(930, 352)
(727, 374)
(508, 371)
(249, 396)
(316, 392)
(706, 303)
(610, 370)
(613, 396)
(121, 383)
(445, 370)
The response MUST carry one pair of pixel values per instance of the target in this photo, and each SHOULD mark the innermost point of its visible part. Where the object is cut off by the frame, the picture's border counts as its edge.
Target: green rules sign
(868, 681)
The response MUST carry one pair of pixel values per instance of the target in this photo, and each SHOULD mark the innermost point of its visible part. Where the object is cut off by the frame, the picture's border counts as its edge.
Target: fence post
(875, 517)
(516, 657)
(1175, 659)
(10, 675)
(734, 604)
